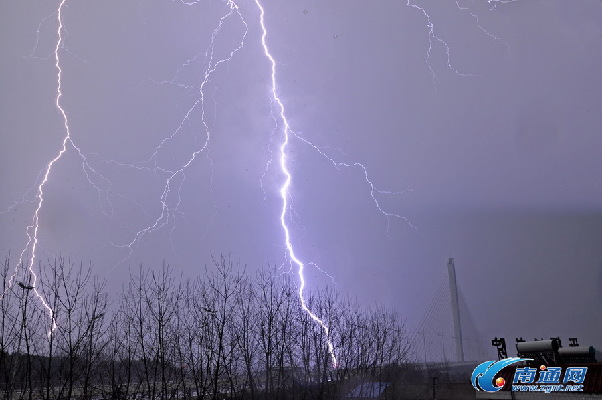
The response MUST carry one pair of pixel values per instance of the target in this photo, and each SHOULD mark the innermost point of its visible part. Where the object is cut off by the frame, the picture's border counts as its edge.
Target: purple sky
(491, 140)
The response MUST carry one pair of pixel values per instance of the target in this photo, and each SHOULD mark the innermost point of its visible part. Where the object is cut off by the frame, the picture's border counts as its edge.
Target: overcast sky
(487, 130)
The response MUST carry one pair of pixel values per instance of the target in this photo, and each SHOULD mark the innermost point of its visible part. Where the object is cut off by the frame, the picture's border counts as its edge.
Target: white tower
(453, 291)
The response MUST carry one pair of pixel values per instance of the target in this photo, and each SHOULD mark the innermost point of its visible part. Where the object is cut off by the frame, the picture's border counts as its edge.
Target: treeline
(225, 334)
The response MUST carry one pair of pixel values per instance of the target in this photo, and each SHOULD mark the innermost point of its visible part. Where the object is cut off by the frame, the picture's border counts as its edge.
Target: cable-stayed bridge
(447, 332)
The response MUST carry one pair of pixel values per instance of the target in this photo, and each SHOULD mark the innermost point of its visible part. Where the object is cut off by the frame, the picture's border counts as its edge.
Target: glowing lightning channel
(33, 236)
(167, 214)
(432, 37)
(478, 24)
(284, 189)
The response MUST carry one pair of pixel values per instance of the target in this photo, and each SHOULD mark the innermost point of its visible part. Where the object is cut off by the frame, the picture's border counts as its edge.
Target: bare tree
(77, 304)
(95, 311)
(277, 305)
(246, 334)
(223, 334)
(143, 334)
(197, 337)
(10, 326)
(162, 303)
(222, 285)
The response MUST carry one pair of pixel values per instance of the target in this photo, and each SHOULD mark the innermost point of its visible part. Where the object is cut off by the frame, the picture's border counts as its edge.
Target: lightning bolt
(284, 189)
(44, 176)
(288, 133)
(32, 230)
(478, 23)
(167, 214)
(374, 190)
(432, 38)
(167, 211)
(175, 177)
(494, 3)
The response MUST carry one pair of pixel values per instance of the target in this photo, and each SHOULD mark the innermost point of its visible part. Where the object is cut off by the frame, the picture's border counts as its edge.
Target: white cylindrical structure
(453, 291)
